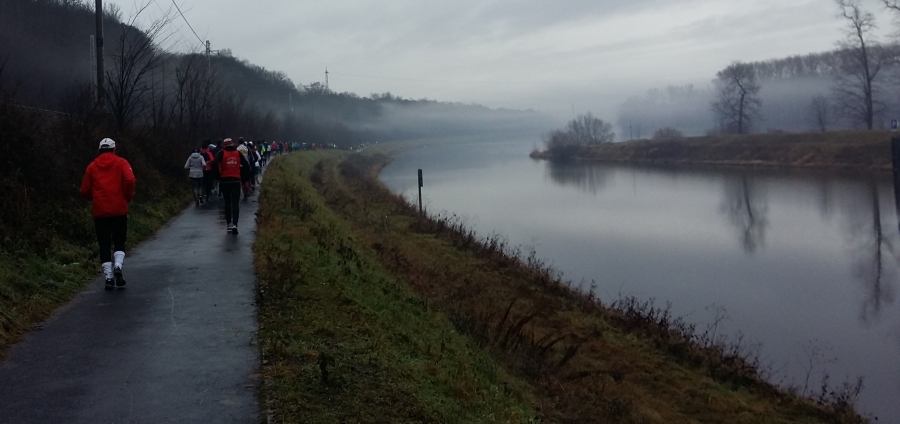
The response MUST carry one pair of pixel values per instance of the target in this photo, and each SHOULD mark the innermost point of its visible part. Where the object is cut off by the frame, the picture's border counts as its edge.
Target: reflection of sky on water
(794, 258)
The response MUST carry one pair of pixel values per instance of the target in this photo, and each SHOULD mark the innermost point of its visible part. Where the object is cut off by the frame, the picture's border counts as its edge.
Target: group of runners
(205, 175)
(227, 169)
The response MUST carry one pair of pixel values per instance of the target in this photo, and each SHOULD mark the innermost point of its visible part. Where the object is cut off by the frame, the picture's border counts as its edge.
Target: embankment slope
(368, 311)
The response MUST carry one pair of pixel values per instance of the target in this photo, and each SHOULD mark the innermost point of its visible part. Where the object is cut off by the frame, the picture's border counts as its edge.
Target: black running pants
(111, 233)
(231, 194)
(197, 187)
(207, 183)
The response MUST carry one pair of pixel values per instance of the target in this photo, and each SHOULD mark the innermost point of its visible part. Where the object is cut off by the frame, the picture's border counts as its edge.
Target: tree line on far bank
(857, 72)
(851, 87)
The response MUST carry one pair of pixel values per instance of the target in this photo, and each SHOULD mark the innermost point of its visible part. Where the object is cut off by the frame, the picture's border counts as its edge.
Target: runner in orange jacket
(109, 184)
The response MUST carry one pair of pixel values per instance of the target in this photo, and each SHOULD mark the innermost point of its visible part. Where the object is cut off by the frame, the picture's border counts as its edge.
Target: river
(804, 265)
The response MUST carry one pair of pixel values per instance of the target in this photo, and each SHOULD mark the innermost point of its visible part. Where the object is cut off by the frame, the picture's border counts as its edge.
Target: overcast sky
(546, 55)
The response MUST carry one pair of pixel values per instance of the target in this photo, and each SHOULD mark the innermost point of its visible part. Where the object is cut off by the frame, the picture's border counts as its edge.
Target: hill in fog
(45, 51)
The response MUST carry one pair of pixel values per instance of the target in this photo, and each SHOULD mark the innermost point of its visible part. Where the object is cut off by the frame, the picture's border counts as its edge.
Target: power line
(310, 76)
(175, 44)
(42, 110)
(188, 23)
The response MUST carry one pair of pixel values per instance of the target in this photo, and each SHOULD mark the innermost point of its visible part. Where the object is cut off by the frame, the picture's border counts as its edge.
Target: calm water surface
(803, 264)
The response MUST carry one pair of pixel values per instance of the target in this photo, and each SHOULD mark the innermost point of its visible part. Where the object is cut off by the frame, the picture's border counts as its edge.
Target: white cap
(107, 143)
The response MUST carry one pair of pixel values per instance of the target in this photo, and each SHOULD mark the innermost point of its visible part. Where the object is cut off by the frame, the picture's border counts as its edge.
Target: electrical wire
(188, 24)
(175, 44)
(43, 110)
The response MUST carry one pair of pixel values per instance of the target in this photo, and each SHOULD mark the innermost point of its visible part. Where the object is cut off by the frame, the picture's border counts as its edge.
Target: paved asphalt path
(176, 346)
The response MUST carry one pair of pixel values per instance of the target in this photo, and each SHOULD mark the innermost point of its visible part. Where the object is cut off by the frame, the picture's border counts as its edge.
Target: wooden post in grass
(420, 191)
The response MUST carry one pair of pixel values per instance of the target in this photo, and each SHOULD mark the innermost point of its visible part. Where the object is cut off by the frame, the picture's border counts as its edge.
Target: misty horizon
(586, 56)
(636, 100)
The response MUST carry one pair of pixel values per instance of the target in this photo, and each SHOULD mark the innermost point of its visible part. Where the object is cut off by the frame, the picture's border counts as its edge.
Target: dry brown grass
(587, 362)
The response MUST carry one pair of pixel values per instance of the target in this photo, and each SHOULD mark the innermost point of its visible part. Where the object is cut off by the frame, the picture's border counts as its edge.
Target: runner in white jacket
(196, 164)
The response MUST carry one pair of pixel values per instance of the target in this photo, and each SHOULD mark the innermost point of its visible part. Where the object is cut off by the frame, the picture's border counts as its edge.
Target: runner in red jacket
(109, 184)
(231, 165)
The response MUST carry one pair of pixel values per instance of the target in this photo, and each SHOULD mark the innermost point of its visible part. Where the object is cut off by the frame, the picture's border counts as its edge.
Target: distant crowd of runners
(226, 169)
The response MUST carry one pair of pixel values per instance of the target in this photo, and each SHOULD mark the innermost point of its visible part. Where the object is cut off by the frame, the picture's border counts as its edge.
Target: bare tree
(2, 67)
(230, 111)
(892, 5)
(588, 129)
(135, 55)
(196, 85)
(160, 105)
(112, 12)
(585, 130)
(820, 112)
(860, 61)
(737, 106)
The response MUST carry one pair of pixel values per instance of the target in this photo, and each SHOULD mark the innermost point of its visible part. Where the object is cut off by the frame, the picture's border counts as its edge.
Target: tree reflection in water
(872, 252)
(747, 208)
(826, 197)
(590, 178)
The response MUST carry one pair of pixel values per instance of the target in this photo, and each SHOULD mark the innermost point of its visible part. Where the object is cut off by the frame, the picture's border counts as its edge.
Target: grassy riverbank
(368, 313)
(859, 150)
(343, 339)
(34, 281)
(48, 246)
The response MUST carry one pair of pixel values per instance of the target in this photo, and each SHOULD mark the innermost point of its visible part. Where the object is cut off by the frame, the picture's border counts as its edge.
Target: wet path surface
(176, 346)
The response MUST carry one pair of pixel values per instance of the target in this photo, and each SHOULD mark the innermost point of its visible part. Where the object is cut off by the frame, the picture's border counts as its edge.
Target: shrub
(667, 133)
(585, 130)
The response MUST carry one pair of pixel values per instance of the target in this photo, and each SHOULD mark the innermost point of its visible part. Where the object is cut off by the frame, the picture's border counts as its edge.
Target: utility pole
(208, 60)
(93, 72)
(326, 78)
(291, 100)
(895, 161)
(98, 11)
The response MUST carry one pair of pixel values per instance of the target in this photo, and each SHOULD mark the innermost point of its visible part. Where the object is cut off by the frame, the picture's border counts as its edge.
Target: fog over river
(805, 264)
